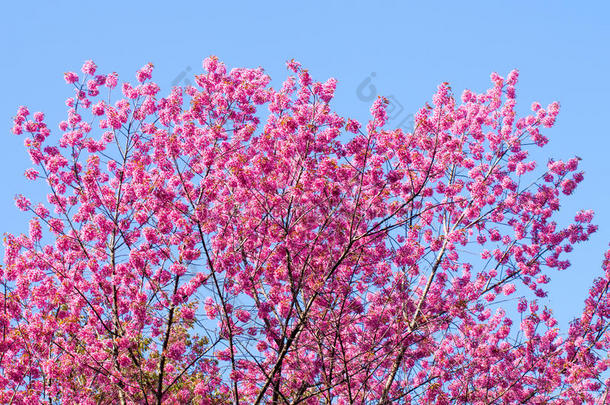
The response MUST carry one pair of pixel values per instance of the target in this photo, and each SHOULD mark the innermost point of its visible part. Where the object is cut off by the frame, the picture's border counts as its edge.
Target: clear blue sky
(561, 48)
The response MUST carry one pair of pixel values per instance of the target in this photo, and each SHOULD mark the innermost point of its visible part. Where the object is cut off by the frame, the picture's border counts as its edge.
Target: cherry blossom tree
(235, 243)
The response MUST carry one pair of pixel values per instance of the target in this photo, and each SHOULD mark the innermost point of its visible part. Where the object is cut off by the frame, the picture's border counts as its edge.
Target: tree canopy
(235, 243)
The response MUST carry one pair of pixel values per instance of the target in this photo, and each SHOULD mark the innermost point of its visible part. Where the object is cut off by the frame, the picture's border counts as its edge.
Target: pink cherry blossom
(230, 242)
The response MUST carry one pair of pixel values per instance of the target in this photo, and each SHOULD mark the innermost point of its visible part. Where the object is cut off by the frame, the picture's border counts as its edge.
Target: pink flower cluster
(190, 251)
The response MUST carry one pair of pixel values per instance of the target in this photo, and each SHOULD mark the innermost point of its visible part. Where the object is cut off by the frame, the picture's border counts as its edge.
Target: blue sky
(404, 49)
